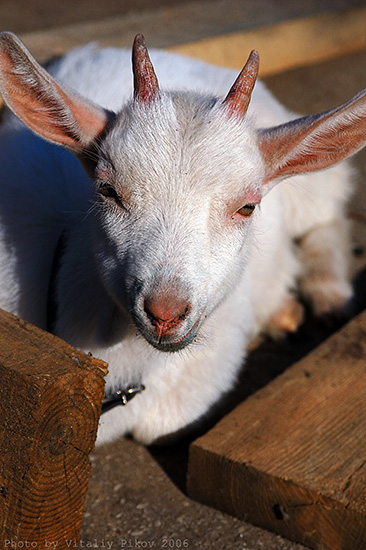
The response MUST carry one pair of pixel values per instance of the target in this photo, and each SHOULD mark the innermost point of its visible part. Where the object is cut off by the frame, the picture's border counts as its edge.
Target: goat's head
(167, 175)
(177, 178)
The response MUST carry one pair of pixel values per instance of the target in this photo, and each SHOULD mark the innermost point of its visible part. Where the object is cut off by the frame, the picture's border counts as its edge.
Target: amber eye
(107, 191)
(246, 211)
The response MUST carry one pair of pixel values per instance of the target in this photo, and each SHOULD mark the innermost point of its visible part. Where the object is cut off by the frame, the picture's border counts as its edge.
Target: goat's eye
(246, 211)
(107, 191)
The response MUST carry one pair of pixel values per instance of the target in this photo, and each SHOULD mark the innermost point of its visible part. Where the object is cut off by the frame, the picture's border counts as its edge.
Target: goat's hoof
(287, 319)
(328, 297)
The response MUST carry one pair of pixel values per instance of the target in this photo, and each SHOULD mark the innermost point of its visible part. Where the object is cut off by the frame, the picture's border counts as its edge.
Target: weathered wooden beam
(50, 403)
(292, 457)
(217, 37)
(286, 45)
(282, 44)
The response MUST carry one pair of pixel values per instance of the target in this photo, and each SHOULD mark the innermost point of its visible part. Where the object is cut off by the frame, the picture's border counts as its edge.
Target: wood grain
(282, 45)
(50, 402)
(219, 37)
(286, 45)
(292, 457)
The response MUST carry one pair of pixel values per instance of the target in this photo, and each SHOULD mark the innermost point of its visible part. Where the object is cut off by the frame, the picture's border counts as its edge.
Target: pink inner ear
(49, 108)
(91, 119)
(314, 142)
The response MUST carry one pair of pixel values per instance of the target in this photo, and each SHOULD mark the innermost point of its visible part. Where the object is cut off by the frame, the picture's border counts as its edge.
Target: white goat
(158, 235)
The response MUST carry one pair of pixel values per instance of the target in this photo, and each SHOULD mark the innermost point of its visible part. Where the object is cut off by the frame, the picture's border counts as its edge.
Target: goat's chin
(171, 343)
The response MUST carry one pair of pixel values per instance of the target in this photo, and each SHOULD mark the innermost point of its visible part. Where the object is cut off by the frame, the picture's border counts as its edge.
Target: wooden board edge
(286, 45)
(282, 46)
(323, 511)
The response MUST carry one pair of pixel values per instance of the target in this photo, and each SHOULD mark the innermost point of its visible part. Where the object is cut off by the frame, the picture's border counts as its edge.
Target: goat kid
(167, 219)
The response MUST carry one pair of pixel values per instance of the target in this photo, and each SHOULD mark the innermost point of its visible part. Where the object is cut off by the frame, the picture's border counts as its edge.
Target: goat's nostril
(166, 311)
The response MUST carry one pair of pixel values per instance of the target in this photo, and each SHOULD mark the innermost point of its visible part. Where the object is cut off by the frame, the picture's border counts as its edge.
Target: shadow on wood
(50, 403)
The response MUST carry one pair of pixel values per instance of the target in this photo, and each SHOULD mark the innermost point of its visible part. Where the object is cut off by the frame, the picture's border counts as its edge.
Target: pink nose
(166, 311)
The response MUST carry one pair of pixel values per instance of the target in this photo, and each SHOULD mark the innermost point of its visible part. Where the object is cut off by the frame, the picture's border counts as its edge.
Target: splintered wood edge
(291, 458)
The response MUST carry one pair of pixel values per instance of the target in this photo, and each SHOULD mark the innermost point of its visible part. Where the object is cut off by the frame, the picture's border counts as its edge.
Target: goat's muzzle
(166, 313)
(164, 318)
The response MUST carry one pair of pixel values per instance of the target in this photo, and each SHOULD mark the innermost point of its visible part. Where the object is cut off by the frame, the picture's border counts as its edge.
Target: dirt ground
(136, 496)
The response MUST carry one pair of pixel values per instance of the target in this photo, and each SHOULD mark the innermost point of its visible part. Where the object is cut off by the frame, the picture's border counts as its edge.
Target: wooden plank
(50, 402)
(292, 457)
(286, 45)
(282, 44)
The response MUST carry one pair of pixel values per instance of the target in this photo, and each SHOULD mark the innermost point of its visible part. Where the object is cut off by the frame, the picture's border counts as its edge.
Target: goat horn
(238, 99)
(146, 85)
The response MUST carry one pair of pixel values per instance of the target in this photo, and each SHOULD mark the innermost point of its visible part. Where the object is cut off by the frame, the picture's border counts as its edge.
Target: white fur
(181, 180)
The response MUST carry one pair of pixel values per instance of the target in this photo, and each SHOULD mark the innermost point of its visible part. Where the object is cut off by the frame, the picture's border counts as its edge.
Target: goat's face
(177, 179)
(177, 184)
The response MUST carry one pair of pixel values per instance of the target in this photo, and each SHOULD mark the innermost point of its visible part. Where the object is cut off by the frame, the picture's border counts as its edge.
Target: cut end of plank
(50, 404)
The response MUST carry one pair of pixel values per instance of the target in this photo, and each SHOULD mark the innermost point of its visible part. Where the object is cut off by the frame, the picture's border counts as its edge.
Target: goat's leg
(325, 254)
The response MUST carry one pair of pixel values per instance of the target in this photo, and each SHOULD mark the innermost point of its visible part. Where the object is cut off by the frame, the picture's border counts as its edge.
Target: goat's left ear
(314, 142)
(49, 108)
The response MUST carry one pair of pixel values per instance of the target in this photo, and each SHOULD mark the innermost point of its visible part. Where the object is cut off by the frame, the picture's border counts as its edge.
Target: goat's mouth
(171, 342)
(165, 343)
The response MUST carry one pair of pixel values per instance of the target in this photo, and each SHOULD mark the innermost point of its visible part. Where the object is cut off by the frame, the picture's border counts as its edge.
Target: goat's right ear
(314, 142)
(50, 109)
